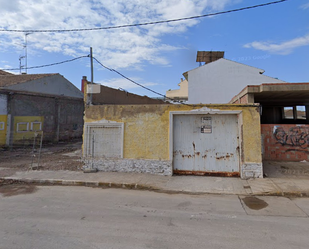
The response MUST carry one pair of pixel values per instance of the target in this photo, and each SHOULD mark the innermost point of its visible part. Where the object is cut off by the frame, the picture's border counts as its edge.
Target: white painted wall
(3, 104)
(219, 81)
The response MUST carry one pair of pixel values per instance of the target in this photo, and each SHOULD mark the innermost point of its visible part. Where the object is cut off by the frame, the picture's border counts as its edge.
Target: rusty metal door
(206, 144)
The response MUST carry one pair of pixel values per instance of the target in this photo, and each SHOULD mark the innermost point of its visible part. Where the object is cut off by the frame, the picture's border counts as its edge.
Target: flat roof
(277, 93)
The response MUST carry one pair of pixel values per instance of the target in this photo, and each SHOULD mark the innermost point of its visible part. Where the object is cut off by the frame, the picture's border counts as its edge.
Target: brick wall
(242, 100)
(285, 142)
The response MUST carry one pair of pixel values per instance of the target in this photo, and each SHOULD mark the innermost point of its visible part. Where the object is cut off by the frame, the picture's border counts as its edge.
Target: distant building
(32, 104)
(219, 79)
(179, 94)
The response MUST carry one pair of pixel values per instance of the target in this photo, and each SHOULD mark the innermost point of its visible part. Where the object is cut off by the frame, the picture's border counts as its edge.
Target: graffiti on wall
(296, 136)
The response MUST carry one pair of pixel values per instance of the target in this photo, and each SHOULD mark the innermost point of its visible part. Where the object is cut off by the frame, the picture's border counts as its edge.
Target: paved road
(79, 217)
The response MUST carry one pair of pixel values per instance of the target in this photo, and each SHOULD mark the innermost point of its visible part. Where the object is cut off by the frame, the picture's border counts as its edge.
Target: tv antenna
(23, 59)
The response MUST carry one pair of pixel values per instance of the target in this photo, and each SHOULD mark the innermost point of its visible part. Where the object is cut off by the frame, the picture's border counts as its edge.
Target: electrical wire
(140, 24)
(47, 65)
(138, 84)
(110, 69)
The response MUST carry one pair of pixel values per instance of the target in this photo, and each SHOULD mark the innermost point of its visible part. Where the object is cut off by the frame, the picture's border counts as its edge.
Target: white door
(206, 144)
(105, 141)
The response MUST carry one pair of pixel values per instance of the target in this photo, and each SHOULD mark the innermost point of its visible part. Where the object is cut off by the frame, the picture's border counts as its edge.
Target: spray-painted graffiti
(296, 136)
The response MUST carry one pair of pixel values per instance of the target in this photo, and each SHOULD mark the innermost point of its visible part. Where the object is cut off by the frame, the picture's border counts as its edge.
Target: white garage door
(206, 144)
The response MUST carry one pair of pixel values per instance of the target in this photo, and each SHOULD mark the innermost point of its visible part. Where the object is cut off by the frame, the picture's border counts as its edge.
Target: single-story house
(32, 104)
(130, 133)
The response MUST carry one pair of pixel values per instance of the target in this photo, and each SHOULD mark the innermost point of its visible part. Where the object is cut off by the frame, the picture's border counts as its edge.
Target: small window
(2, 126)
(288, 113)
(22, 127)
(36, 126)
(294, 112)
(301, 112)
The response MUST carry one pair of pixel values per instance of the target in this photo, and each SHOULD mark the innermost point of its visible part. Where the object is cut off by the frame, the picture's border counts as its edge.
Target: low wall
(283, 142)
(157, 167)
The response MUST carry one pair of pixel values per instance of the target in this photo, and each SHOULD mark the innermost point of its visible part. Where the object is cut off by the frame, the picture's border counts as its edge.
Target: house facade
(166, 139)
(47, 105)
(220, 80)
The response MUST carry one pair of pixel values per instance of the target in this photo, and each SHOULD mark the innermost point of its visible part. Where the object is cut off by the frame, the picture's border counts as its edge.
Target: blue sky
(274, 38)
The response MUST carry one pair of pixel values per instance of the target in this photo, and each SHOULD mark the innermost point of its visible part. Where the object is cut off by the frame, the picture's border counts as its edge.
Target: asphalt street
(82, 217)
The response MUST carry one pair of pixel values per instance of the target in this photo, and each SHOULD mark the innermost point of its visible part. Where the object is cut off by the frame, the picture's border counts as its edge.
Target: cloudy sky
(274, 38)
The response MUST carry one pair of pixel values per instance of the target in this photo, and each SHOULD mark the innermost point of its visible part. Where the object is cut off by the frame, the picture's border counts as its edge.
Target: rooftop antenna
(21, 66)
(24, 65)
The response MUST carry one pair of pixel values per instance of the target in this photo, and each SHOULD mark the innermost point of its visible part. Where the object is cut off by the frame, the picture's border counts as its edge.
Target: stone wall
(252, 170)
(158, 167)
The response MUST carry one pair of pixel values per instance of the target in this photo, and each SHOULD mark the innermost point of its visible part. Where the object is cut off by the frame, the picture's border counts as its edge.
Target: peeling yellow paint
(3, 124)
(26, 126)
(146, 127)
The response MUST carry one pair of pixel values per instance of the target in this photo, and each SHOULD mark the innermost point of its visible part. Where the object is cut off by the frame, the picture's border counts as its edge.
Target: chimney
(84, 83)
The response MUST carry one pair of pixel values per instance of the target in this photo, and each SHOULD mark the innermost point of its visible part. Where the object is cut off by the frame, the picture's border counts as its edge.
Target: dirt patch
(17, 189)
(62, 156)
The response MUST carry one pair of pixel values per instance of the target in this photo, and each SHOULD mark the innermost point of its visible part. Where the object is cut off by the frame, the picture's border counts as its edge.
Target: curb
(96, 184)
(57, 182)
(132, 186)
(283, 194)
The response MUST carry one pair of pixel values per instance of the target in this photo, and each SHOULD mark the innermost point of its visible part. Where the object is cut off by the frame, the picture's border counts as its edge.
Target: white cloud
(125, 84)
(305, 6)
(280, 48)
(118, 48)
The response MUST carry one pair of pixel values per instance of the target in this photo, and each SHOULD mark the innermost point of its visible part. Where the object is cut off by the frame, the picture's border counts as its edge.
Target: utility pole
(90, 168)
(91, 63)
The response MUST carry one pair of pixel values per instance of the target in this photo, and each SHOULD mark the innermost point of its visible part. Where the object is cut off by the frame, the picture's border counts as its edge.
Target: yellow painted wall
(146, 128)
(3, 124)
(26, 135)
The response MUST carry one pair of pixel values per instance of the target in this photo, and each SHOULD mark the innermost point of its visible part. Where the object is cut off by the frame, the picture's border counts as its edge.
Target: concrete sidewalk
(287, 186)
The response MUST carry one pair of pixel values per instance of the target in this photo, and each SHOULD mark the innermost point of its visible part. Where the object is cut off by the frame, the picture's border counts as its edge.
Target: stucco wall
(146, 128)
(282, 142)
